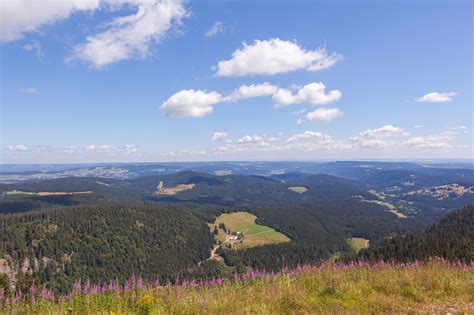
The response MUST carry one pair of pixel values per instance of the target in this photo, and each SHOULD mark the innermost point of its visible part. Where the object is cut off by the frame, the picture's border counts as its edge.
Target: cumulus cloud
(199, 103)
(19, 17)
(17, 147)
(130, 37)
(385, 131)
(190, 103)
(30, 90)
(440, 140)
(124, 37)
(312, 94)
(308, 135)
(324, 114)
(376, 139)
(388, 139)
(126, 149)
(253, 90)
(217, 27)
(463, 129)
(272, 56)
(419, 126)
(306, 141)
(299, 112)
(219, 136)
(250, 139)
(384, 136)
(435, 97)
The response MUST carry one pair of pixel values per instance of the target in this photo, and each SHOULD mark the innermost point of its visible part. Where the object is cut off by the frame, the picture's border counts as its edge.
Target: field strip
(263, 232)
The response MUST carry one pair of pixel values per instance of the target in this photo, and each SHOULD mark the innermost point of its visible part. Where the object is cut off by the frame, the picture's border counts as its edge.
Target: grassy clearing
(298, 189)
(254, 234)
(160, 190)
(391, 208)
(221, 235)
(359, 243)
(398, 214)
(436, 287)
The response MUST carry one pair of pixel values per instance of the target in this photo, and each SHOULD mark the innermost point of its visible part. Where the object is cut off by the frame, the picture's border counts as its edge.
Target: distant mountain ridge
(358, 170)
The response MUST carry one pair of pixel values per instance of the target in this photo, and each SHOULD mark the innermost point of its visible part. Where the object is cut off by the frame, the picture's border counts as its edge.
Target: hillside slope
(100, 243)
(451, 238)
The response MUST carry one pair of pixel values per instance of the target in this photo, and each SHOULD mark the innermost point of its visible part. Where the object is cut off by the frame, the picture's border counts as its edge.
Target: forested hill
(99, 243)
(452, 238)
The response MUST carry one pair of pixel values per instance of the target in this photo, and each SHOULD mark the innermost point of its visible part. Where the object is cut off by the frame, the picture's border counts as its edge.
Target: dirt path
(213, 254)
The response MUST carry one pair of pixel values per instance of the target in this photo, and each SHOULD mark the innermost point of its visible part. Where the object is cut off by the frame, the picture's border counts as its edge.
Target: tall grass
(434, 286)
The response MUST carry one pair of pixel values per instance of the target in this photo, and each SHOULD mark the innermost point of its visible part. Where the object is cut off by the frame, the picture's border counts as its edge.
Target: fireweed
(139, 293)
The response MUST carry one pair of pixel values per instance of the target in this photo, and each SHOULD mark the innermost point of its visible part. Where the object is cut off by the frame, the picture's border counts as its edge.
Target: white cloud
(130, 37)
(272, 56)
(308, 135)
(19, 17)
(219, 136)
(17, 147)
(250, 139)
(253, 90)
(419, 126)
(217, 27)
(385, 139)
(385, 136)
(35, 47)
(382, 132)
(440, 140)
(435, 97)
(326, 62)
(124, 37)
(464, 129)
(30, 90)
(307, 141)
(125, 149)
(198, 103)
(324, 114)
(190, 103)
(299, 112)
(312, 94)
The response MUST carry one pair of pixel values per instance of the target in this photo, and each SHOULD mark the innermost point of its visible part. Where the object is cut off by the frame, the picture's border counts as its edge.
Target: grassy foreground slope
(436, 286)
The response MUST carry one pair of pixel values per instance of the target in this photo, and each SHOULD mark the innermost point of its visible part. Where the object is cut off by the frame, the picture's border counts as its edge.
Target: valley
(200, 225)
(236, 157)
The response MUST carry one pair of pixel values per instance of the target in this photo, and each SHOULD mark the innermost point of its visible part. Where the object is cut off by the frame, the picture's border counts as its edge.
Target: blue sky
(97, 81)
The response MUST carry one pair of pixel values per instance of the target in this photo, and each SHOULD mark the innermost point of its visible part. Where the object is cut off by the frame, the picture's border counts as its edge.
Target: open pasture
(298, 189)
(253, 234)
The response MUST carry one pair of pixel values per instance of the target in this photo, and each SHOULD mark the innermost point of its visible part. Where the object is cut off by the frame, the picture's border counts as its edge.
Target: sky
(171, 80)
